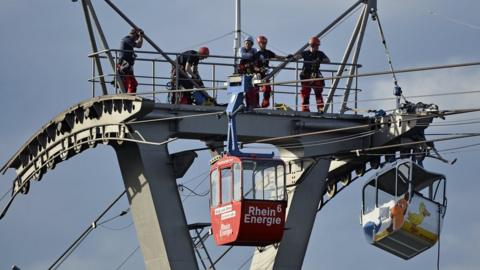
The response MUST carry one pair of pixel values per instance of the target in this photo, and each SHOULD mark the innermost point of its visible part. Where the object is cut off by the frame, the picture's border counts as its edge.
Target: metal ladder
(198, 240)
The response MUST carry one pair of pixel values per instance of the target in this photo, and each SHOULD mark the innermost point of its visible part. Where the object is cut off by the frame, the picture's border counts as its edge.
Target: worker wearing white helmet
(247, 51)
(246, 67)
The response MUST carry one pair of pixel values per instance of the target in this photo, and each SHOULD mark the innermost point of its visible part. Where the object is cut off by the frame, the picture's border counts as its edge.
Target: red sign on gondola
(249, 222)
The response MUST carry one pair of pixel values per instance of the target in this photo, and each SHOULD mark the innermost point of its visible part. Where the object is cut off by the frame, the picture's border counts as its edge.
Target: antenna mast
(238, 32)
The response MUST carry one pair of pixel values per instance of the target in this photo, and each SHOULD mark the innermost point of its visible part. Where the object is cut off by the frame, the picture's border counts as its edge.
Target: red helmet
(314, 41)
(204, 51)
(262, 39)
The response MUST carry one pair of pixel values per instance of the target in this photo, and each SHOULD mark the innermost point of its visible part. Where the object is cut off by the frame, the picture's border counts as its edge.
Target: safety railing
(153, 74)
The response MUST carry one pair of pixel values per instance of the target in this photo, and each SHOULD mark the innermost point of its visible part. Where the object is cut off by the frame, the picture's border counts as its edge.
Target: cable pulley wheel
(375, 163)
(346, 179)
(360, 171)
(331, 189)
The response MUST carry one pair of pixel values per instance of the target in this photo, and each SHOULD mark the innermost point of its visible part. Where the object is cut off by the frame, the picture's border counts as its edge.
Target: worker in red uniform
(188, 63)
(261, 61)
(311, 70)
(127, 59)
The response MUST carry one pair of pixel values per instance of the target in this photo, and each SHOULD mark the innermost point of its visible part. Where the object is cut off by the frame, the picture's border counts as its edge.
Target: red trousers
(266, 89)
(305, 94)
(130, 83)
(252, 96)
(128, 79)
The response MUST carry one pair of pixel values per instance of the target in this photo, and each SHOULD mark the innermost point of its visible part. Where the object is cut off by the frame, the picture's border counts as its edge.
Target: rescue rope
(398, 91)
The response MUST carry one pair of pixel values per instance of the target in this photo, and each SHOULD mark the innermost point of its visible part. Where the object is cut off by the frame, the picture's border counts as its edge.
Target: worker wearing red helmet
(127, 57)
(261, 61)
(188, 63)
(312, 58)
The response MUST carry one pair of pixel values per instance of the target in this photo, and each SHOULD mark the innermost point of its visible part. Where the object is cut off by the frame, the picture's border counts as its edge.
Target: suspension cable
(176, 117)
(331, 130)
(186, 197)
(425, 95)
(342, 21)
(209, 41)
(359, 152)
(322, 142)
(310, 133)
(453, 20)
(127, 258)
(378, 73)
(249, 258)
(5, 194)
(84, 235)
(269, 43)
(192, 191)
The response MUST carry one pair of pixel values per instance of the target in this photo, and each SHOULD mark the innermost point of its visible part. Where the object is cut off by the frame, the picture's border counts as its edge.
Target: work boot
(305, 108)
(320, 108)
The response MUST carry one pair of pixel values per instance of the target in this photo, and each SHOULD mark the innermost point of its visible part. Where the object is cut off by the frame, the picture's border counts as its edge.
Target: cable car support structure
(139, 130)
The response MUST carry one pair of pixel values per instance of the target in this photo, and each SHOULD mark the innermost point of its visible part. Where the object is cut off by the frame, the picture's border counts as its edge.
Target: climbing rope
(397, 89)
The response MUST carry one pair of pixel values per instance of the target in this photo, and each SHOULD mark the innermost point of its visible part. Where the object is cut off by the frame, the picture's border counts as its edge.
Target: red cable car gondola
(247, 191)
(247, 201)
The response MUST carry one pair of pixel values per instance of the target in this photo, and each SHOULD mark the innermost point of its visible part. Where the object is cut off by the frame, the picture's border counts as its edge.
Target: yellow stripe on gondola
(413, 230)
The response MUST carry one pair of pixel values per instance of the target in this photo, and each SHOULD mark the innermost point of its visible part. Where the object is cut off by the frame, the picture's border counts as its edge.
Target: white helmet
(249, 38)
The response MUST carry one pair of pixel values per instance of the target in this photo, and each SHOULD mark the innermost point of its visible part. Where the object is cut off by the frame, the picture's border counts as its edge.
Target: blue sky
(45, 69)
